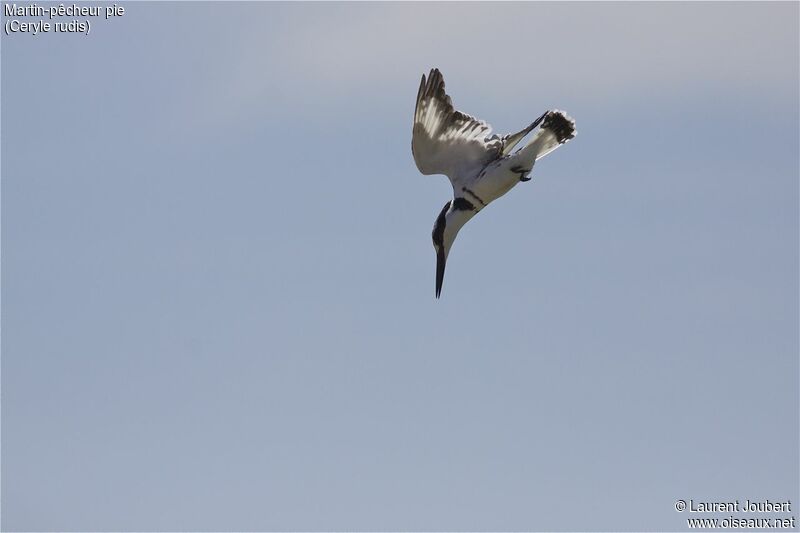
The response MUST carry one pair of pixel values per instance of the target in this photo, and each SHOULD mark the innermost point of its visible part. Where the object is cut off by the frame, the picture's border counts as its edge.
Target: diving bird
(480, 165)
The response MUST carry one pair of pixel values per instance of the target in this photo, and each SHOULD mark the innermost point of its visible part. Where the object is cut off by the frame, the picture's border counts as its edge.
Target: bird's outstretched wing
(446, 141)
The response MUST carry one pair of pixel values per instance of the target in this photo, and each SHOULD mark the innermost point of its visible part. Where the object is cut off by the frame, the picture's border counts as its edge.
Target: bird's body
(481, 167)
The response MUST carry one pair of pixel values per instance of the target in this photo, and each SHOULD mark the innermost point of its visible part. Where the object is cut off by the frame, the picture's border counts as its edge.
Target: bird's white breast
(495, 180)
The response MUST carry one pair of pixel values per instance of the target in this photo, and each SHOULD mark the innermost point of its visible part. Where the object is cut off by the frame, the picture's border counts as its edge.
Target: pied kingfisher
(480, 165)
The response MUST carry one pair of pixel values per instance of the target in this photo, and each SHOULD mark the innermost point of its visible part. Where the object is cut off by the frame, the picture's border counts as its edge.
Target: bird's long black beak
(441, 260)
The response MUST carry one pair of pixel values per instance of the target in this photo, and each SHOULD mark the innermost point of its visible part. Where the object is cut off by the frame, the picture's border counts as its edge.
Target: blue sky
(218, 304)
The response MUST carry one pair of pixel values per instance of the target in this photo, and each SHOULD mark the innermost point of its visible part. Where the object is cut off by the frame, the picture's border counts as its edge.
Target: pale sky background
(218, 304)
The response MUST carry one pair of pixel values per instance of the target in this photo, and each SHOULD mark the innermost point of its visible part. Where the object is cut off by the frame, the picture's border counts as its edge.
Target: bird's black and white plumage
(481, 166)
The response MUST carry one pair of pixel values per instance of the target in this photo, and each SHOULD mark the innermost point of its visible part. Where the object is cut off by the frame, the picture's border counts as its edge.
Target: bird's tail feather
(556, 129)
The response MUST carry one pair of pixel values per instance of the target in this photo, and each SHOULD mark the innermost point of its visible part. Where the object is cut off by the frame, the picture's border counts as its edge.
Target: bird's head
(450, 220)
